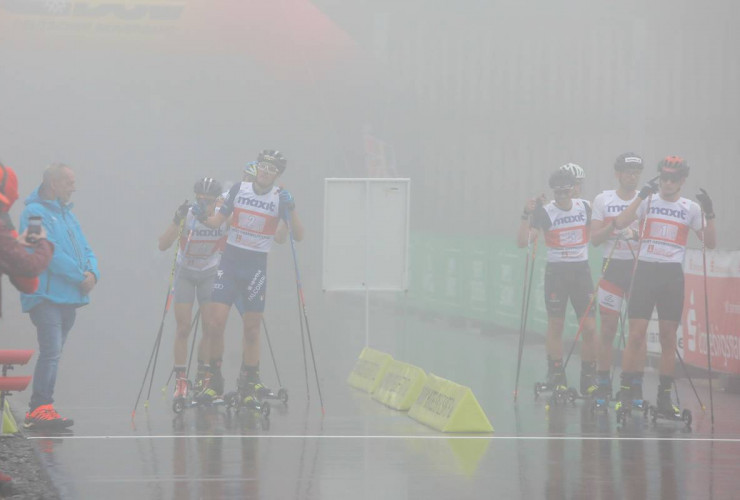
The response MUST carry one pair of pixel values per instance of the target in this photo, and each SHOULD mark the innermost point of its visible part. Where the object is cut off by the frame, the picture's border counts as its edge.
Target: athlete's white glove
(626, 234)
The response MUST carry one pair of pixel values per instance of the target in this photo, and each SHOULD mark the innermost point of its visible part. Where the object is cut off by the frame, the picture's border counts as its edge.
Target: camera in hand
(34, 229)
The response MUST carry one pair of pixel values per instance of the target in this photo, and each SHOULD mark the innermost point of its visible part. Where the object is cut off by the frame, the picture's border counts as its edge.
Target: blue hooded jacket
(60, 283)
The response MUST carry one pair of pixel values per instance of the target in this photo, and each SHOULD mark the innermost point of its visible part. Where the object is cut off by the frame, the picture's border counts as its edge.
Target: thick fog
(476, 102)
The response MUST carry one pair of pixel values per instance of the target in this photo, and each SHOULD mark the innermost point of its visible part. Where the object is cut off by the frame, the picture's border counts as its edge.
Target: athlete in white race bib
(620, 251)
(565, 223)
(659, 282)
(197, 260)
(257, 211)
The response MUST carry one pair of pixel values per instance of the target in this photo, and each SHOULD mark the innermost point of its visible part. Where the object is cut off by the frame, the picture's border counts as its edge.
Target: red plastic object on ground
(9, 358)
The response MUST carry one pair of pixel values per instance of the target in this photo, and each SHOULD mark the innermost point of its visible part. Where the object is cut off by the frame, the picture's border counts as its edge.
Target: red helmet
(674, 165)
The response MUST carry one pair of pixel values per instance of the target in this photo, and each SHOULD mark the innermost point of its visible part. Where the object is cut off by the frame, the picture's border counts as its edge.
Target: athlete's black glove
(199, 213)
(706, 204)
(287, 203)
(649, 188)
(181, 212)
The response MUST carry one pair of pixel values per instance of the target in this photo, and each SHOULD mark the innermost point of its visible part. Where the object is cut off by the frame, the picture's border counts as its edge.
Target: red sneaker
(45, 416)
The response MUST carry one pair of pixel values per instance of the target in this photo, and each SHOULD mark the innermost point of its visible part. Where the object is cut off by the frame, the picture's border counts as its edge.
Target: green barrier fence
(481, 279)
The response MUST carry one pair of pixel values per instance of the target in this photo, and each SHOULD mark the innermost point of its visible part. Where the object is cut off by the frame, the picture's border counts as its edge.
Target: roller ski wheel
(623, 410)
(231, 400)
(180, 399)
(178, 404)
(283, 395)
(684, 416)
(562, 395)
(254, 404)
(600, 404)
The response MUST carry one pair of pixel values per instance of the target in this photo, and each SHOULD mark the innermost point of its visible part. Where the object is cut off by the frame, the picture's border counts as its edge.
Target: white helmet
(574, 169)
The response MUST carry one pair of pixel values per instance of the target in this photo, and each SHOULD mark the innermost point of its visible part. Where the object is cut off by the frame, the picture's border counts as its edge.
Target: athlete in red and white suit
(659, 281)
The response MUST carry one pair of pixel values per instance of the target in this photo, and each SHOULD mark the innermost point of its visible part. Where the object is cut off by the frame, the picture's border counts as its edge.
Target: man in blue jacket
(63, 287)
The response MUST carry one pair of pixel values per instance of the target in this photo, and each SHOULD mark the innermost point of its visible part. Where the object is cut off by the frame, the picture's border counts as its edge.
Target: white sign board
(366, 234)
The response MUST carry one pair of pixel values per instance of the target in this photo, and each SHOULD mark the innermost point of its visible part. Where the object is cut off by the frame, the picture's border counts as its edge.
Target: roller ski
(629, 399)
(556, 385)
(265, 393)
(666, 410)
(250, 395)
(601, 397)
(208, 390)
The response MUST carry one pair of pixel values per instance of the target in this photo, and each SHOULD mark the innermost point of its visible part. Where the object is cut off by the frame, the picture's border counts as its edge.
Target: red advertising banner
(723, 293)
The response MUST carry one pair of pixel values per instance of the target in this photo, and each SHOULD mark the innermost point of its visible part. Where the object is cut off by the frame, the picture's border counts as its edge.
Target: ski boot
(637, 401)
(602, 395)
(556, 383)
(623, 408)
(209, 390)
(248, 396)
(180, 398)
(588, 380)
(665, 409)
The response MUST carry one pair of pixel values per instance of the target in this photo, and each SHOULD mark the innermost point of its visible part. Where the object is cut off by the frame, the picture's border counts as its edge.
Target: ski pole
(628, 295)
(691, 382)
(171, 297)
(303, 343)
(161, 326)
(299, 286)
(170, 294)
(582, 322)
(272, 354)
(621, 343)
(526, 292)
(706, 314)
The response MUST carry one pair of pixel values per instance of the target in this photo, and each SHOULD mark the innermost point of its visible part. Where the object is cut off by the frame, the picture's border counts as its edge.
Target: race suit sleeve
(598, 208)
(16, 260)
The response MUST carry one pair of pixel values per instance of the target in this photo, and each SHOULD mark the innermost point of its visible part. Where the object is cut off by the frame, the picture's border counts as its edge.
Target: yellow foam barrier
(449, 407)
(9, 424)
(369, 370)
(400, 386)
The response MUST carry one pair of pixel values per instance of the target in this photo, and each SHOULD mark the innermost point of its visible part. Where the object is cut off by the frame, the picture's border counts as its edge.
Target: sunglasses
(671, 177)
(268, 167)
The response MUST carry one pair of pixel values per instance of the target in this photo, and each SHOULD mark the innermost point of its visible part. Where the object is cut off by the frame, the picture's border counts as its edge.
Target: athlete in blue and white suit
(257, 211)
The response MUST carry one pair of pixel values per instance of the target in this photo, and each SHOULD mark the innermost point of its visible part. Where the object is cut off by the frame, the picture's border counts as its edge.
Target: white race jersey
(607, 206)
(667, 228)
(566, 231)
(255, 217)
(205, 246)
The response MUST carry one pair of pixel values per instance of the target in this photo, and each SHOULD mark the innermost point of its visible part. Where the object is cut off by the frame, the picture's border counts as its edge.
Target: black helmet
(574, 169)
(628, 160)
(208, 186)
(273, 156)
(674, 165)
(562, 179)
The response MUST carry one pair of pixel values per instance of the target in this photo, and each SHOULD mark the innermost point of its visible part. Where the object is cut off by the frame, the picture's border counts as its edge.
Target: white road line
(349, 437)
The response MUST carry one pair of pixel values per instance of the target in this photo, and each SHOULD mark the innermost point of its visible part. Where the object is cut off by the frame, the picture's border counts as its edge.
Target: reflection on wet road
(362, 449)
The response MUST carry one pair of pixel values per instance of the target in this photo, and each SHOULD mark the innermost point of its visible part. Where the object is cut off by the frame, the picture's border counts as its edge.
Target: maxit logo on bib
(251, 202)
